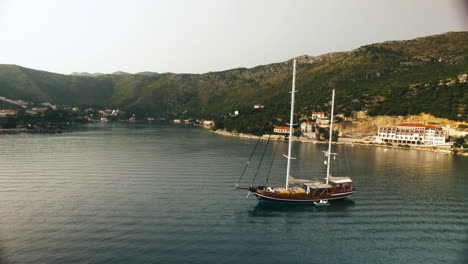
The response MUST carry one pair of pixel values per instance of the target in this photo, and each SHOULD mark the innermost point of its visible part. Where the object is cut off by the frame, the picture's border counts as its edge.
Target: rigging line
(248, 162)
(259, 137)
(271, 163)
(346, 162)
(280, 105)
(261, 159)
(269, 135)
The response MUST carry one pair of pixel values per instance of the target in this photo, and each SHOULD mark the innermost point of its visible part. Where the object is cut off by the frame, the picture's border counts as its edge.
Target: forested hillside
(389, 78)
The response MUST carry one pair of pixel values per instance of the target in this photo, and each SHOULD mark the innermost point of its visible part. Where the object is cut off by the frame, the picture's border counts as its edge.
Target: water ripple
(157, 194)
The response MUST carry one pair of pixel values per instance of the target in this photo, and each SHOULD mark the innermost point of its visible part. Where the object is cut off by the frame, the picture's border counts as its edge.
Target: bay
(153, 193)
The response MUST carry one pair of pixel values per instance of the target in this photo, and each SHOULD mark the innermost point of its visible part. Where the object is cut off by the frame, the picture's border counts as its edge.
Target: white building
(208, 123)
(414, 134)
(282, 129)
(316, 115)
(259, 106)
(308, 127)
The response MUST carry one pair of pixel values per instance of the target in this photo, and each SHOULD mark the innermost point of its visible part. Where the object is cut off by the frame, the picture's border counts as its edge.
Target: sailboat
(302, 190)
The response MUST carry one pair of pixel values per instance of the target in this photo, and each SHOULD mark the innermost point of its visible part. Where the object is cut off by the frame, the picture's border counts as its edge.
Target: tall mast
(291, 122)
(330, 137)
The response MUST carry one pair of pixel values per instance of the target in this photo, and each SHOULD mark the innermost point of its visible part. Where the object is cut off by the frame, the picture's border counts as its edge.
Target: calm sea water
(165, 194)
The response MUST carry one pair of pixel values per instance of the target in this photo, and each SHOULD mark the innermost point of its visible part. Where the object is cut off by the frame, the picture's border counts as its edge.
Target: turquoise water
(165, 194)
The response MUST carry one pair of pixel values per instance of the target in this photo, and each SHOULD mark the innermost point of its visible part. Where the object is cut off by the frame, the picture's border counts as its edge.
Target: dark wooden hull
(299, 198)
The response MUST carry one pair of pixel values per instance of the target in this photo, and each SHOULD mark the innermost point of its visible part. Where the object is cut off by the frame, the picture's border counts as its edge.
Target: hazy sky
(210, 35)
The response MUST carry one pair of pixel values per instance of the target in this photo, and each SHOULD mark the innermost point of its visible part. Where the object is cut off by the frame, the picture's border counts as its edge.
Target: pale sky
(206, 35)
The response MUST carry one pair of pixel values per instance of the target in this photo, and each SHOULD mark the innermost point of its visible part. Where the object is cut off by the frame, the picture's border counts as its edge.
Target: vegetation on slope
(390, 78)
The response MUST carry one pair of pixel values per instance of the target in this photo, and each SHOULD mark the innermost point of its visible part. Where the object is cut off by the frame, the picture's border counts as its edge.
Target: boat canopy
(340, 179)
(293, 180)
(317, 185)
(309, 183)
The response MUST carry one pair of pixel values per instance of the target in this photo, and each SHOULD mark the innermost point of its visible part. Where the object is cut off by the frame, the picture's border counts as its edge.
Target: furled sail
(340, 179)
(293, 180)
(309, 183)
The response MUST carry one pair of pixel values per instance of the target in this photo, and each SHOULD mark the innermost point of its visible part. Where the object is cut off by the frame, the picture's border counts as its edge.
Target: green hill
(389, 78)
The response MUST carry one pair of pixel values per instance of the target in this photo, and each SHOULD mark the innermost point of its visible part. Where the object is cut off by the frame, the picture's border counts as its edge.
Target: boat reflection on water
(265, 208)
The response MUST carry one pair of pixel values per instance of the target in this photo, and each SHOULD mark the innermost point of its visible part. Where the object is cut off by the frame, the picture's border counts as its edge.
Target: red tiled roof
(318, 113)
(11, 112)
(283, 127)
(416, 125)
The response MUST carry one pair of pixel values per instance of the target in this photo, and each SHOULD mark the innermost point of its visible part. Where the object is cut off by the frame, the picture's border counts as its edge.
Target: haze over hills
(390, 78)
(87, 74)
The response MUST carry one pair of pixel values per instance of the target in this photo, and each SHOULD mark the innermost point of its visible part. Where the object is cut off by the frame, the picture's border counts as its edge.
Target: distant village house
(54, 107)
(308, 127)
(282, 129)
(316, 115)
(259, 106)
(36, 110)
(39, 109)
(4, 113)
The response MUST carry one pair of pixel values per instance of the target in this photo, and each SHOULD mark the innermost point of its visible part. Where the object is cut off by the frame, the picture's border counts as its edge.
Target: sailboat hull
(302, 199)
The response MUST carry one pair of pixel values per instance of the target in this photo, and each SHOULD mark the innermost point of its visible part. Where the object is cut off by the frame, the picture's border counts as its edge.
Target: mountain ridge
(387, 78)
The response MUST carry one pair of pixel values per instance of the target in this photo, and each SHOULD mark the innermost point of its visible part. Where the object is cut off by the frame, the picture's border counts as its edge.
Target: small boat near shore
(299, 191)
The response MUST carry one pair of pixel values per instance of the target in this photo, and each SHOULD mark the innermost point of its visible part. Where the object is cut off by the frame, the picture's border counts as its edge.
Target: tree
(51, 115)
(10, 122)
(460, 141)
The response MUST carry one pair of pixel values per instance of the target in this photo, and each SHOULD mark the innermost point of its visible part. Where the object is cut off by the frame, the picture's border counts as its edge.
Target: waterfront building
(282, 129)
(413, 134)
(208, 123)
(308, 127)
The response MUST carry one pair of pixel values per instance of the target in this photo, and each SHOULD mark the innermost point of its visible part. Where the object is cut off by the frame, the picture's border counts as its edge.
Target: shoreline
(30, 131)
(358, 142)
